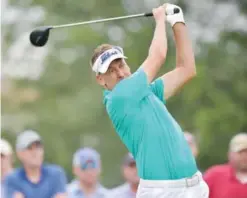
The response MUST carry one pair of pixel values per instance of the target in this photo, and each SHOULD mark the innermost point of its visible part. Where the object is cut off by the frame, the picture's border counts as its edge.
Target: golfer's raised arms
(136, 105)
(158, 49)
(185, 62)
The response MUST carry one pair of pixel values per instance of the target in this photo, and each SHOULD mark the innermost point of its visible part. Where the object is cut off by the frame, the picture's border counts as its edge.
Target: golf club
(40, 36)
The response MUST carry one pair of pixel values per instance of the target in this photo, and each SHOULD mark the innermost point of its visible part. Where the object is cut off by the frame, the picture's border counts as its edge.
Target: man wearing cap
(129, 189)
(6, 162)
(230, 180)
(86, 168)
(35, 179)
(136, 105)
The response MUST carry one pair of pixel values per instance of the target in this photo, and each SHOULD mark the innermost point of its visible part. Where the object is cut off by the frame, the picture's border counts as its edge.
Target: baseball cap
(238, 142)
(104, 60)
(6, 148)
(26, 138)
(86, 158)
(128, 159)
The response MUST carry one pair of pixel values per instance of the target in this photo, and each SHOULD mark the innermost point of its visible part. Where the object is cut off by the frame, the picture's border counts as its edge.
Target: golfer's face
(117, 71)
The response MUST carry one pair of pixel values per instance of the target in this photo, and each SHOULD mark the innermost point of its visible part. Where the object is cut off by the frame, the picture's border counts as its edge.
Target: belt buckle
(191, 181)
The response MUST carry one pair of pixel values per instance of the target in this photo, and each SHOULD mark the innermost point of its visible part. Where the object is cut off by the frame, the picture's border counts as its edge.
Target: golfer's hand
(173, 18)
(159, 14)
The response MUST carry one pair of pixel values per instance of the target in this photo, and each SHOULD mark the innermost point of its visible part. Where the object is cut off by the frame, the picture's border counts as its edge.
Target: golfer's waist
(177, 183)
(161, 171)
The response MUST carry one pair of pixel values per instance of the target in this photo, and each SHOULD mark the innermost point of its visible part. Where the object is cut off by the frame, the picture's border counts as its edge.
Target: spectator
(230, 180)
(86, 168)
(6, 161)
(35, 179)
(190, 138)
(129, 189)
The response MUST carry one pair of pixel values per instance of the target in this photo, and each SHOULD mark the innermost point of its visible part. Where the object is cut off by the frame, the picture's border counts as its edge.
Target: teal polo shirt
(139, 115)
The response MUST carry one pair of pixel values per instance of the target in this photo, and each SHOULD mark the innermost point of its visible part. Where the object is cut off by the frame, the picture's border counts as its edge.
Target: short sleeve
(61, 182)
(134, 87)
(157, 88)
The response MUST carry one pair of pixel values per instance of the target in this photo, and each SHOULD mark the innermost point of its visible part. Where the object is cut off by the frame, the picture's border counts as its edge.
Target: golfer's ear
(100, 80)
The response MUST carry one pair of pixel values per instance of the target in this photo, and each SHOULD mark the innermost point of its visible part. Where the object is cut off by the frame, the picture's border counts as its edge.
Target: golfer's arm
(185, 62)
(157, 52)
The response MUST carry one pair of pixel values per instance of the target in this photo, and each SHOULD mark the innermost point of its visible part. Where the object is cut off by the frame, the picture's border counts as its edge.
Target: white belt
(178, 183)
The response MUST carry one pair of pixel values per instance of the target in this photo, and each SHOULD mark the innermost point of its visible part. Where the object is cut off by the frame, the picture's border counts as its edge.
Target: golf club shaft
(103, 20)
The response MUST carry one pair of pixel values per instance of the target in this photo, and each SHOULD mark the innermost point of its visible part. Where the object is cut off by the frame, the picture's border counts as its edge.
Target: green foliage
(65, 104)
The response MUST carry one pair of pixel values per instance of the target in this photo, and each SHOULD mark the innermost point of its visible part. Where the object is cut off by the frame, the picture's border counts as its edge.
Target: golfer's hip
(178, 183)
(173, 188)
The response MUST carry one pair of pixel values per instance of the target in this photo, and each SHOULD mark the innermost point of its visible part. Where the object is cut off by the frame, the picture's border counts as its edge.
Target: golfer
(136, 106)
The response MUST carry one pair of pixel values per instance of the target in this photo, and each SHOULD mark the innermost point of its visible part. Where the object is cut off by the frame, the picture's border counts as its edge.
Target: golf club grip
(176, 10)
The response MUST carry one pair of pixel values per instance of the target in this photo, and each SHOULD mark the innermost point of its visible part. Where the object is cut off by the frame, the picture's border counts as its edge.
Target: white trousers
(194, 187)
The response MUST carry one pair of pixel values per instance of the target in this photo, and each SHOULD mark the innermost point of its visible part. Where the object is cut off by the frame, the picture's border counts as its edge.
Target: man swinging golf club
(136, 106)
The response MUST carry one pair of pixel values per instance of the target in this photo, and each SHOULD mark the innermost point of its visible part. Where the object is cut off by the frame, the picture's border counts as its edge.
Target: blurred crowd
(35, 178)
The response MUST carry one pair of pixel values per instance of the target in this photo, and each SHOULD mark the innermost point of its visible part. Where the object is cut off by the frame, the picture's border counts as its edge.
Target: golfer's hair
(98, 51)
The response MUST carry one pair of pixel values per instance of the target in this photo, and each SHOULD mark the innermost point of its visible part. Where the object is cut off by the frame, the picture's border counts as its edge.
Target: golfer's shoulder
(131, 84)
(138, 77)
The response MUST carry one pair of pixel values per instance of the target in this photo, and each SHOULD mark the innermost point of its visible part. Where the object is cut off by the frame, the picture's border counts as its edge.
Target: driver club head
(40, 36)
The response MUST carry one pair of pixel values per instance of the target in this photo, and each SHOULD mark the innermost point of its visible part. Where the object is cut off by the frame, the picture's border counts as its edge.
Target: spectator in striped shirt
(86, 168)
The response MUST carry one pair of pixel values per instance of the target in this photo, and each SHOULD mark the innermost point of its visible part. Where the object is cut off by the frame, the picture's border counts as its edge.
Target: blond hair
(98, 51)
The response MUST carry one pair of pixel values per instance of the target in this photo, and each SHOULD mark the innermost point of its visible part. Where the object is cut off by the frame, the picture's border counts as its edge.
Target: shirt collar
(42, 176)
(106, 95)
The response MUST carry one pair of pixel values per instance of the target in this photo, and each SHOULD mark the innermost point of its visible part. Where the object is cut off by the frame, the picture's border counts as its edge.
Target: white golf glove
(174, 18)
